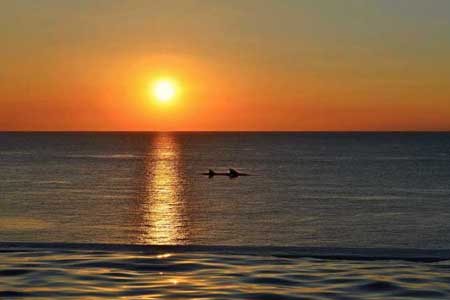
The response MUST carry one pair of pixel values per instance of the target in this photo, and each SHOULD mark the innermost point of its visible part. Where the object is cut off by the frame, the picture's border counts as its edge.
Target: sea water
(379, 193)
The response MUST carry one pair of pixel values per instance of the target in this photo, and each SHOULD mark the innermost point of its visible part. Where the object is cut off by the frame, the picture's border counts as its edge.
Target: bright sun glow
(164, 90)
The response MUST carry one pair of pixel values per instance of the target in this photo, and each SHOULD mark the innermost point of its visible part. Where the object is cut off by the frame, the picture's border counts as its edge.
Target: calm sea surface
(129, 216)
(307, 189)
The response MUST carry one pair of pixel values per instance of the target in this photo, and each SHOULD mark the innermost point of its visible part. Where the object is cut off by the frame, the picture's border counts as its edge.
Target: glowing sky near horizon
(242, 65)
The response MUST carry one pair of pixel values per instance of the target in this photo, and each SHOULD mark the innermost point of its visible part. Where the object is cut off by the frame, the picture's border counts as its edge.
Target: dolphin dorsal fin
(233, 172)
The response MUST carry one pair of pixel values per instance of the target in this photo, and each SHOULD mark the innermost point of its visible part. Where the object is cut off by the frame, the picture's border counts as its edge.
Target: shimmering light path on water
(99, 274)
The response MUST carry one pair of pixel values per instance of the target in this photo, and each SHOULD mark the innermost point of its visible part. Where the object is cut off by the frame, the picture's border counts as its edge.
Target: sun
(164, 90)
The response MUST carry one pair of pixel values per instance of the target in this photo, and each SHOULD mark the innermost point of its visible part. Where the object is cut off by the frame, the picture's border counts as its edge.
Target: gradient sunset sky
(240, 65)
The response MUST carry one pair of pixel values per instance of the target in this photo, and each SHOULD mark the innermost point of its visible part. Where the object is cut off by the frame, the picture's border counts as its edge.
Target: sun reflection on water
(162, 220)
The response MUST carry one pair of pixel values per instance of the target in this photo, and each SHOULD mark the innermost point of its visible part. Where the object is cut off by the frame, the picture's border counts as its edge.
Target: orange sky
(284, 65)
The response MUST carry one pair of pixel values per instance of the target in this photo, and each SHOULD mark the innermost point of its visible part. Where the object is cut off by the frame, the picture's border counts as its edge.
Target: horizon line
(225, 131)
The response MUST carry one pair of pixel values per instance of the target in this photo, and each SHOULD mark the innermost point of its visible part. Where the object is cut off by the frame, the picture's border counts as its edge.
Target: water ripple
(93, 274)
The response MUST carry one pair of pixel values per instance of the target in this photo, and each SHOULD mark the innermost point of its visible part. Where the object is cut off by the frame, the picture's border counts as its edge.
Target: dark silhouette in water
(232, 173)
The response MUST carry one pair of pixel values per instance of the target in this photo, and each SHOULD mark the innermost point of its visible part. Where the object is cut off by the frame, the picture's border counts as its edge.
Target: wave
(45, 182)
(414, 158)
(15, 153)
(104, 271)
(369, 254)
(105, 156)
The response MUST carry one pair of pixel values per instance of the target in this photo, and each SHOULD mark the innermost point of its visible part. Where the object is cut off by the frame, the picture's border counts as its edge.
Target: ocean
(321, 216)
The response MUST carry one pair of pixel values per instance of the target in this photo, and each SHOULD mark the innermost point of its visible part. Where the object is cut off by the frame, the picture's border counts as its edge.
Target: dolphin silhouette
(232, 173)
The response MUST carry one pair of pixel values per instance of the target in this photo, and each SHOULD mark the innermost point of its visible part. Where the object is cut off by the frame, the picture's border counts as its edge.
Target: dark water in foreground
(95, 272)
